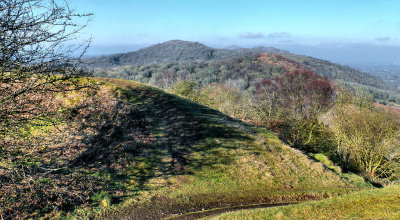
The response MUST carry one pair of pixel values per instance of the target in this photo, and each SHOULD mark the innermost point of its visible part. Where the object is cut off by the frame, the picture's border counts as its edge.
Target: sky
(312, 27)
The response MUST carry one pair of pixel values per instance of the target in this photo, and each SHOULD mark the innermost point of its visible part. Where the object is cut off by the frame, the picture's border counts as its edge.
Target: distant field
(368, 204)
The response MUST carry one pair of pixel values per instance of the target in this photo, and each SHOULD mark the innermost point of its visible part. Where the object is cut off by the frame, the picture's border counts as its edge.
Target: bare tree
(37, 56)
(300, 93)
(368, 138)
(293, 104)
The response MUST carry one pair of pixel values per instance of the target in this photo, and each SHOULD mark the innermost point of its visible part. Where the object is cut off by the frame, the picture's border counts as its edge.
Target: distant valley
(389, 73)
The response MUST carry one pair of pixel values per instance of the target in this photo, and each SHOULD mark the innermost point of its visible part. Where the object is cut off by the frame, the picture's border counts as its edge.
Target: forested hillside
(170, 51)
(163, 65)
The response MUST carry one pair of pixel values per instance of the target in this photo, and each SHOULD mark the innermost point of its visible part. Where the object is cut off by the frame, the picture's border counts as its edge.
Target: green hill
(170, 51)
(245, 72)
(162, 65)
(137, 152)
(174, 51)
(203, 159)
(177, 51)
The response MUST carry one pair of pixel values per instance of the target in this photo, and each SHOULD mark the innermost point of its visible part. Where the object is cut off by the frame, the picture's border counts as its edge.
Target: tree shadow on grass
(153, 134)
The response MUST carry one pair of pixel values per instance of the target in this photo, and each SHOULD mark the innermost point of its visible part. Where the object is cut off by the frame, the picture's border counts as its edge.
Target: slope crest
(151, 155)
(202, 159)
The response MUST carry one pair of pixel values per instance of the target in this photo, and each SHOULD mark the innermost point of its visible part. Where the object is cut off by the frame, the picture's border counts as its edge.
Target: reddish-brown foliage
(279, 61)
(300, 92)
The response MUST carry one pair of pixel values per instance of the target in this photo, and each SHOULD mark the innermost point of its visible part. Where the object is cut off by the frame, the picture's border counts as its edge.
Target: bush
(187, 89)
(367, 139)
(293, 104)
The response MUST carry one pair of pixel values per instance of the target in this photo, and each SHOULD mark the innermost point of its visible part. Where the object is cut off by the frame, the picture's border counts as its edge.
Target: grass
(139, 153)
(367, 204)
(327, 163)
(203, 159)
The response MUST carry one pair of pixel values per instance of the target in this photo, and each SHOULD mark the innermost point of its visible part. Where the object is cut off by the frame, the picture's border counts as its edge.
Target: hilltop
(174, 51)
(270, 50)
(170, 51)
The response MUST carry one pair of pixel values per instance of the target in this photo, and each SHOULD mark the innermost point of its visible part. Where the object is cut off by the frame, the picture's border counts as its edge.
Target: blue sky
(127, 24)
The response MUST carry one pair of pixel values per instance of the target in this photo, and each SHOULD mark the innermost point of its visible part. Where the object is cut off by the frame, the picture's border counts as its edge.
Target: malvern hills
(149, 65)
(175, 51)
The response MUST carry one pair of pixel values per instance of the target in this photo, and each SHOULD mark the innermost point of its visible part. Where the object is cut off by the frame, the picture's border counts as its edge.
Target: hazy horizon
(347, 54)
(359, 31)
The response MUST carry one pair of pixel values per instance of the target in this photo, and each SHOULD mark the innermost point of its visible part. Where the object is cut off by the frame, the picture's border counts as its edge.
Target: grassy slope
(369, 204)
(203, 159)
(137, 152)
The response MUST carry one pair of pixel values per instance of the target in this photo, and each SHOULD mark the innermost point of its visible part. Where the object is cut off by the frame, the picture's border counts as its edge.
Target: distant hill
(233, 47)
(174, 51)
(170, 51)
(269, 50)
(235, 66)
(259, 49)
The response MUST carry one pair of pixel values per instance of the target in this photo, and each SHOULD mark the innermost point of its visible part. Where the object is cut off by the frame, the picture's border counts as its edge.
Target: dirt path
(211, 212)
